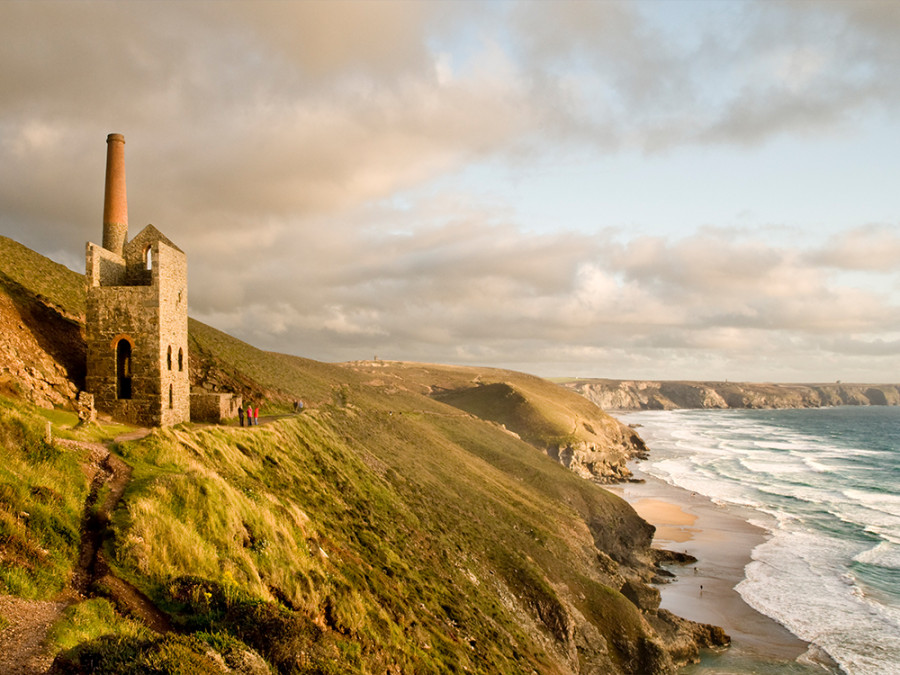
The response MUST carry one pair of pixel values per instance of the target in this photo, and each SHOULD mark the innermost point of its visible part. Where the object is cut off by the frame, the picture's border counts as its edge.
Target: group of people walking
(252, 415)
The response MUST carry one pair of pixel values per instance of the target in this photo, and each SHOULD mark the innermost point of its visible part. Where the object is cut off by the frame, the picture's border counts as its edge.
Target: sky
(652, 190)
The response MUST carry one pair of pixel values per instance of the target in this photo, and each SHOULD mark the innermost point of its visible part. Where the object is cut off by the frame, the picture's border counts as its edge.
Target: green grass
(126, 655)
(42, 492)
(380, 531)
(392, 521)
(49, 280)
(65, 425)
(89, 620)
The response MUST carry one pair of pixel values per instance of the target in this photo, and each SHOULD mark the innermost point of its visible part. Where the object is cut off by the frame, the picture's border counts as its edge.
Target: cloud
(292, 150)
(749, 73)
(872, 247)
(258, 111)
(464, 290)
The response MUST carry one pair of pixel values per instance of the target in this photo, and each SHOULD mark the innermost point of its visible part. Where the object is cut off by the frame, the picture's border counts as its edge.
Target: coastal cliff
(413, 518)
(672, 395)
(574, 432)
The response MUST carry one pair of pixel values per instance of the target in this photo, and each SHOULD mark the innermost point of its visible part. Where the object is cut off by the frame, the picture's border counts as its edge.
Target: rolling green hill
(404, 523)
(564, 425)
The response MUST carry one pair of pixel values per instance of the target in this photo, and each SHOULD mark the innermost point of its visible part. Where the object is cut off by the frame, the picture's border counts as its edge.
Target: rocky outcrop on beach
(672, 395)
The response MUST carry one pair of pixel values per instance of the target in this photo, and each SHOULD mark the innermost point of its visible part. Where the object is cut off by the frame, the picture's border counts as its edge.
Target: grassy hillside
(378, 534)
(556, 420)
(381, 531)
(222, 362)
(51, 282)
(43, 487)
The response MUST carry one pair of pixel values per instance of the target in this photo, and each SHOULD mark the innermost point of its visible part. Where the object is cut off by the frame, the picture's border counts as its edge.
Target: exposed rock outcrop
(41, 348)
(603, 463)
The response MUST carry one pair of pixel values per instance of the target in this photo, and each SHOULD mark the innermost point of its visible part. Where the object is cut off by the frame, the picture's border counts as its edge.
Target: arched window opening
(169, 357)
(171, 398)
(148, 258)
(123, 369)
(180, 359)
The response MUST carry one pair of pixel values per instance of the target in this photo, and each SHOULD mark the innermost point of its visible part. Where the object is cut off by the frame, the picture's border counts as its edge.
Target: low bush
(170, 654)
(90, 620)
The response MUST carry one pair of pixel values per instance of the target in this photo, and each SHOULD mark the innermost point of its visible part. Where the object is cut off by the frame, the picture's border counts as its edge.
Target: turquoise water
(825, 484)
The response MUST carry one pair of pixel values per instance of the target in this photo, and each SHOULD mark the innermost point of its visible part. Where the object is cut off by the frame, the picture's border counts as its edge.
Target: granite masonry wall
(136, 322)
(214, 407)
(150, 314)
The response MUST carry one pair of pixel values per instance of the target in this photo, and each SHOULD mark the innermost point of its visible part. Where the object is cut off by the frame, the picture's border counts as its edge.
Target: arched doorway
(123, 369)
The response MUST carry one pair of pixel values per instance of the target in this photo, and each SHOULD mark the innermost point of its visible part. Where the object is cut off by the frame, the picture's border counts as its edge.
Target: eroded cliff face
(601, 460)
(653, 395)
(41, 348)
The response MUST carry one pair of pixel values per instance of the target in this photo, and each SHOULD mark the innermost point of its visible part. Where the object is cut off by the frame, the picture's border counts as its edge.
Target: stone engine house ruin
(137, 322)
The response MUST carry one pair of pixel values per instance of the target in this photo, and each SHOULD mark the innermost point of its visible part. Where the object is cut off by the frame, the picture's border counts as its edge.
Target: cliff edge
(672, 395)
(413, 518)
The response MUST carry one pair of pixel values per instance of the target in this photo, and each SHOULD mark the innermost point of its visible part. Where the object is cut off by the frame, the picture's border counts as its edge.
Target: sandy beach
(722, 542)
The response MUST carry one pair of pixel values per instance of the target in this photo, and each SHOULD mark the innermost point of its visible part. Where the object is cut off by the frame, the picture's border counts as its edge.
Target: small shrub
(289, 640)
(170, 654)
(89, 620)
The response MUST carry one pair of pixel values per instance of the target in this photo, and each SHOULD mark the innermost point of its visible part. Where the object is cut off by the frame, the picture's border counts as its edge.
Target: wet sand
(722, 542)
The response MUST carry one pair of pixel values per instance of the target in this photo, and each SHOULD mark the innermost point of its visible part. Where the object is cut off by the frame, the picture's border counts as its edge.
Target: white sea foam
(885, 554)
(796, 577)
(828, 572)
(882, 524)
(773, 468)
(817, 466)
(888, 503)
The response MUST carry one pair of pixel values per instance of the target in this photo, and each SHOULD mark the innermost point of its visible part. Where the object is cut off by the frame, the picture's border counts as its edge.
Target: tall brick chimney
(115, 203)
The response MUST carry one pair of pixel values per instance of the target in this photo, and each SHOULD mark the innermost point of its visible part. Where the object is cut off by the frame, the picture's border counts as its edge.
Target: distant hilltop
(673, 395)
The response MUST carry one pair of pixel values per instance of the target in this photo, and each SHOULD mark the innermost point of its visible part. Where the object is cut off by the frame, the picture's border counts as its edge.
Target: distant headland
(673, 395)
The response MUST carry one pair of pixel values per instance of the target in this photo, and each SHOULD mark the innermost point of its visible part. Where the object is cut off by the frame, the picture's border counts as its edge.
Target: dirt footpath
(21, 648)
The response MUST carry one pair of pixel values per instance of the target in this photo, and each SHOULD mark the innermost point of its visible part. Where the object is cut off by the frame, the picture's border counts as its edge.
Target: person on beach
(249, 415)
(256, 416)
(241, 414)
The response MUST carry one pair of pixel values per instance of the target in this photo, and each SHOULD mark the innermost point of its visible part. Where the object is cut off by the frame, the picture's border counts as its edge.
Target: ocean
(825, 485)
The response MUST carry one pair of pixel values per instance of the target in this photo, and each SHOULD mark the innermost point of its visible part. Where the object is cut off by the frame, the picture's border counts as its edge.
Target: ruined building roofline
(151, 234)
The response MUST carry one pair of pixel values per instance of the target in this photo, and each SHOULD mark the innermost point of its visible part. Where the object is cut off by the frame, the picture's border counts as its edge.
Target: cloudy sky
(671, 189)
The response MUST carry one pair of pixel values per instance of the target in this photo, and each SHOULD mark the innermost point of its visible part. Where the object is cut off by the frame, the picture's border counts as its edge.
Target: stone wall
(104, 268)
(170, 278)
(214, 407)
(151, 318)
